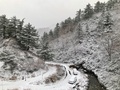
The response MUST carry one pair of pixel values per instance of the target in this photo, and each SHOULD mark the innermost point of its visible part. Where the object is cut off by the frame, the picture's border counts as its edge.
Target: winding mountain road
(63, 84)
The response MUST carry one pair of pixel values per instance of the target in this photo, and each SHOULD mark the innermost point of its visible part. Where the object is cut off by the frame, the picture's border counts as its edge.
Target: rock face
(16, 59)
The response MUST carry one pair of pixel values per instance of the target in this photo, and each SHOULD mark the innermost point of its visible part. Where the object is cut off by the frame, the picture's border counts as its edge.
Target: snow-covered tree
(78, 16)
(56, 30)
(62, 24)
(45, 53)
(8, 59)
(12, 27)
(3, 26)
(19, 28)
(67, 24)
(110, 4)
(107, 22)
(14, 23)
(44, 38)
(68, 21)
(99, 7)
(28, 37)
(51, 35)
(88, 12)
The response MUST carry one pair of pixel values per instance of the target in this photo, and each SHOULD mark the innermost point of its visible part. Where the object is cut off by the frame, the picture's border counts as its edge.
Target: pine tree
(110, 4)
(78, 16)
(51, 35)
(99, 7)
(33, 36)
(56, 30)
(8, 59)
(28, 37)
(44, 38)
(45, 52)
(107, 23)
(88, 12)
(3, 26)
(68, 21)
(19, 28)
(12, 27)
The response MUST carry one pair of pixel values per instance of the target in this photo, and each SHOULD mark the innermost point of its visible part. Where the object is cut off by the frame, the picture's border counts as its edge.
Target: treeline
(25, 35)
(69, 24)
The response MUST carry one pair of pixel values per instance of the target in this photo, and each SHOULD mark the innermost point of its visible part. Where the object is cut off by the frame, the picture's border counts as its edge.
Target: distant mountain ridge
(42, 30)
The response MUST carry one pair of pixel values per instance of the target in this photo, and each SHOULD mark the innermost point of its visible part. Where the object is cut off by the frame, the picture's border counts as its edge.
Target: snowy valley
(82, 53)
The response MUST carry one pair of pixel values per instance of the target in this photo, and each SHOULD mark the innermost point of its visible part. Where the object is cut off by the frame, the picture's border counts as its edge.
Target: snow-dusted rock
(75, 72)
(72, 80)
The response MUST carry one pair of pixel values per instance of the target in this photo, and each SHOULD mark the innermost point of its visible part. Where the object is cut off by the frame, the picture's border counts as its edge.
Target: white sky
(43, 13)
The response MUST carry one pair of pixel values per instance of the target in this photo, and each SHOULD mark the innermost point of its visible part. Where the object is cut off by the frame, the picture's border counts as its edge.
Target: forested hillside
(16, 42)
(93, 37)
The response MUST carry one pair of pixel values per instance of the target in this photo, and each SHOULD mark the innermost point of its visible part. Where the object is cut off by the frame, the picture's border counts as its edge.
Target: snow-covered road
(63, 84)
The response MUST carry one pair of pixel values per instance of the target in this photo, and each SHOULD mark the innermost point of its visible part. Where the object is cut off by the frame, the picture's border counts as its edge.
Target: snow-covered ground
(63, 84)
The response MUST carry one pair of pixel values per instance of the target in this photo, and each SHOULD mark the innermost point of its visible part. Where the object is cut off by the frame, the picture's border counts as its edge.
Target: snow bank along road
(72, 80)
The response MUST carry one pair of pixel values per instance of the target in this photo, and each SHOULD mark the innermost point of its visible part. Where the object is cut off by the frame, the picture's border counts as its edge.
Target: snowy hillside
(92, 49)
(17, 60)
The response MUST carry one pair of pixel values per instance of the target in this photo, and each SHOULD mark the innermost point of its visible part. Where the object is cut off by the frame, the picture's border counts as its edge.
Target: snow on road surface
(63, 84)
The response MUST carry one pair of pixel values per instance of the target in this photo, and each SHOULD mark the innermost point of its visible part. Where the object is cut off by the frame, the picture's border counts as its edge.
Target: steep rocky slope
(92, 49)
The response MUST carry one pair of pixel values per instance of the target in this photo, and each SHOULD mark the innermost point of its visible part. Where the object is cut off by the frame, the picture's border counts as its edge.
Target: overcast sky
(43, 13)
